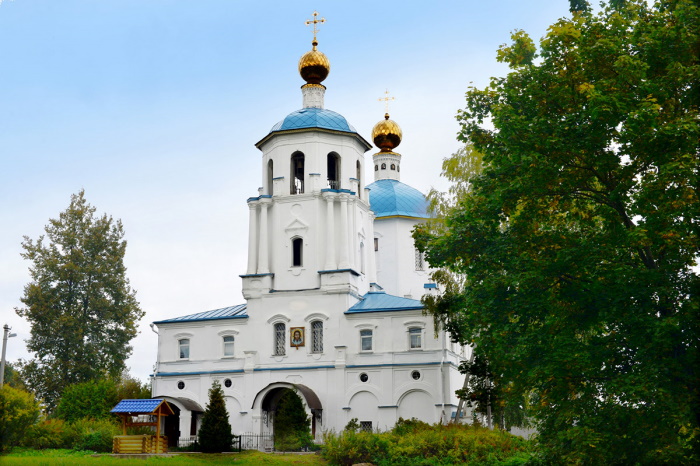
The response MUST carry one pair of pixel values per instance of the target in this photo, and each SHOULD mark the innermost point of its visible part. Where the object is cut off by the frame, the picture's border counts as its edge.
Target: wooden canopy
(127, 409)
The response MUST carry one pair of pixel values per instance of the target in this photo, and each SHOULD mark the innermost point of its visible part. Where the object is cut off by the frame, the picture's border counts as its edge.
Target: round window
(364, 377)
(228, 383)
(415, 375)
(181, 385)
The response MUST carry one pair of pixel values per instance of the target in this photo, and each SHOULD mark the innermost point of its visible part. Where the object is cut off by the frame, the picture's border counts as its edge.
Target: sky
(153, 107)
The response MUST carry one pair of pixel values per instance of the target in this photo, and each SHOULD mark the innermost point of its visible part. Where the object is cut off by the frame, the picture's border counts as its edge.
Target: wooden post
(158, 431)
(123, 424)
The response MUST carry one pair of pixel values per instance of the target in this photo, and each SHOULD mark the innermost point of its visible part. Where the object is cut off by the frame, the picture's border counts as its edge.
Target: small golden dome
(386, 134)
(314, 66)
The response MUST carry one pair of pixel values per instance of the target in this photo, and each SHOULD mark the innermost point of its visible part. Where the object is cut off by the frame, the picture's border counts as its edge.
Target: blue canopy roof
(379, 301)
(390, 198)
(138, 406)
(314, 118)
(231, 312)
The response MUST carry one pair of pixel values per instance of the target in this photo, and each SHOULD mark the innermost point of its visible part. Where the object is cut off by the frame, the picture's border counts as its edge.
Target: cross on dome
(315, 21)
(386, 101)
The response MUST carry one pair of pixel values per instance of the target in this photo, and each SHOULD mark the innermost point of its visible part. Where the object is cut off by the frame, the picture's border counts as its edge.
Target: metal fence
(251, 441)
(245, 441)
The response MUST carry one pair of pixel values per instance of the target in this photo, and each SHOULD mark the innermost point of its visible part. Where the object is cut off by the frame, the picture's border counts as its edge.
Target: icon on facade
(296, 335)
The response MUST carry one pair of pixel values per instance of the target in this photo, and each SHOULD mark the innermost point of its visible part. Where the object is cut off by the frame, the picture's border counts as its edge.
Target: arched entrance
(184, 424)
(268, 400)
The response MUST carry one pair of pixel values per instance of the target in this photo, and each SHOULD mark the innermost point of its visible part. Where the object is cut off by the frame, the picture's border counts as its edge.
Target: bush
(95, 435)
(93, 399)
(51, 433)
(413, 442)
(19, 410)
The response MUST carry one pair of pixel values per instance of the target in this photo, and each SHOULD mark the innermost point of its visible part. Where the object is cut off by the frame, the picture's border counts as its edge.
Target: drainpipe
(155, 366)
(442, 375)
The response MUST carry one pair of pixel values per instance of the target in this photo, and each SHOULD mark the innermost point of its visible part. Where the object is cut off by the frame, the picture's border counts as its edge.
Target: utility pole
(5, 336)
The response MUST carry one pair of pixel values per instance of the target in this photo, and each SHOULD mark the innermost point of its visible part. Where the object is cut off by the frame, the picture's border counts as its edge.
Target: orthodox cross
(386, 100)
(315, 21)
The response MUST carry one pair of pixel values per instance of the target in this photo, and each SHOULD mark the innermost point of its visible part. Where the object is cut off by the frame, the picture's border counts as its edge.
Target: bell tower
(311, 224)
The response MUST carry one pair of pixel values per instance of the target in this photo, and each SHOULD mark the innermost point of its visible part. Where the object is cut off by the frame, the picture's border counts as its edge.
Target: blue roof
(314, 118)
(389, 198)
(379, 301)
(231, 312)
(137, 406)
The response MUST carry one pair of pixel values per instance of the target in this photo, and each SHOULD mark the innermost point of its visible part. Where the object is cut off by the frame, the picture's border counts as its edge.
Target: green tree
(92, 400)
(131, 388)
(19, 410)
(291, 424)
(575, 248)
(215, 433)
(13, 378)
(80, 305)
(483, 392)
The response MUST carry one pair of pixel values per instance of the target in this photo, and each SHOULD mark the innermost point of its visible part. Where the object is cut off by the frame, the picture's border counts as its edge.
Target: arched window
(184, 348)
(228, 345)
(393, 167)
(333, 165)
(269, 177)
(297, 252)
(376, 168)
(317, 336)
(383, 166)
(297, 178)
(280, 335)
(362, 257)
(359, 178)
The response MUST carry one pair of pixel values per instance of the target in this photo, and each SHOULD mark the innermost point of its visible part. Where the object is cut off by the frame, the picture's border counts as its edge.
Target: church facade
(331, 291)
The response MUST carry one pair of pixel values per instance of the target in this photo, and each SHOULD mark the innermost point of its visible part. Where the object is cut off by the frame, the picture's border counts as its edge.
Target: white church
(332, 291)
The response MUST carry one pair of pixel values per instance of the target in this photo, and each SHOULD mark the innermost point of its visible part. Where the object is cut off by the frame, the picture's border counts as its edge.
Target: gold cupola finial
(314, 65)
(387, 133)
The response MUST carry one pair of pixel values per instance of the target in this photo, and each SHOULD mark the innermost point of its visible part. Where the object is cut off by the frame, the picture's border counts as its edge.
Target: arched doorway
(184, 424)
(268, 400)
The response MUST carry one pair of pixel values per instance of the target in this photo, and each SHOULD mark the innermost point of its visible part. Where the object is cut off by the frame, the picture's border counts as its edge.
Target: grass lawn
(250, 457)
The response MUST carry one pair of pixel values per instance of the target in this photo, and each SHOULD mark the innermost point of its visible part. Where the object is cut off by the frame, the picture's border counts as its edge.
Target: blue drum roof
(314, 118)
(389, 198)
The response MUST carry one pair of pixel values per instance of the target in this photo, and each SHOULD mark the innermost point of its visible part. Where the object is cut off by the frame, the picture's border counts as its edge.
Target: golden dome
(314, 66)
(386, 134)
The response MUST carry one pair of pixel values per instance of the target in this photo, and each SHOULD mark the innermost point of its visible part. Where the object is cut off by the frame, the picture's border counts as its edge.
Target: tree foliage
(19, 410)
(291, 423)
(574, 249)
(13, 377)
(215, 433)
(80, 305)
(93, 400)
(483, 391)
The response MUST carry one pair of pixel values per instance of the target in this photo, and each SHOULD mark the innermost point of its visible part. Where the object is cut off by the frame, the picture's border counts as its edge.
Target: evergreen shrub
(291, 424)
(215, 434)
